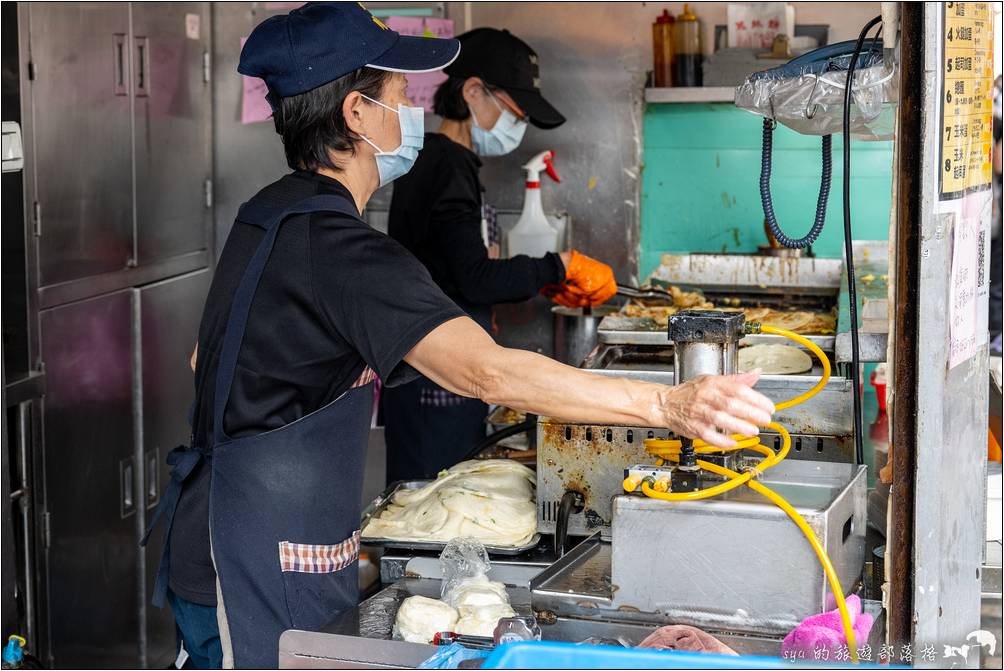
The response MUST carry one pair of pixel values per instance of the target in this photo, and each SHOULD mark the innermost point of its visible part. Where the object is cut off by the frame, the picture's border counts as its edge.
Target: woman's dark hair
(448, 101)
(312, 124)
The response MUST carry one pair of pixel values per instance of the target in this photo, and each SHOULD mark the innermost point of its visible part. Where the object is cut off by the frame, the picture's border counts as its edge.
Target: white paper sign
(755, 26)
(193, 26)
(969, 287)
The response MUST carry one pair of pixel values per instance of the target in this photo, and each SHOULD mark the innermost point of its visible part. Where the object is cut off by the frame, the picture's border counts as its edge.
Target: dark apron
(284, 505)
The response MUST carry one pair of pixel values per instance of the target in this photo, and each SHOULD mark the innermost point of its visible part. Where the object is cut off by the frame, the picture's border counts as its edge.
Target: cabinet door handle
(119, 60)
(152, 483)
(142, 66)
(127, 485)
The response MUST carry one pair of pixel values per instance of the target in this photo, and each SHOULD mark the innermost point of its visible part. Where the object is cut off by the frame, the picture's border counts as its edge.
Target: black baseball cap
(322, 41)
(501, 59)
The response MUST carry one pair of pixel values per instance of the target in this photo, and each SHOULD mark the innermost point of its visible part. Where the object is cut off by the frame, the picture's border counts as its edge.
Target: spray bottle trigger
(549, 167)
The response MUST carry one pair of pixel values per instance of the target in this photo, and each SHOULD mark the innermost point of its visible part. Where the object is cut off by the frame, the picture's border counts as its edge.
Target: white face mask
(502, 138)
(393, 164)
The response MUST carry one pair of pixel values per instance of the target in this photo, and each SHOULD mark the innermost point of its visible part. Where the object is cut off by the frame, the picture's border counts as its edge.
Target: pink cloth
(685, 638)
(826, 631)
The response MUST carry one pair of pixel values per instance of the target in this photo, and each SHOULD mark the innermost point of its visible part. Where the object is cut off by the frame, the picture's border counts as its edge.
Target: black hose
(852, 293)
(515, 429)
(571, 502)
(768, 203)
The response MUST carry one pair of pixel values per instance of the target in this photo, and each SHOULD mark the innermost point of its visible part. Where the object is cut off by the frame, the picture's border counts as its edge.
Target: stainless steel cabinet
(90, 473)
(80, 113)
(170, 51)
(117, 111)
(119, 117)
(168, 315)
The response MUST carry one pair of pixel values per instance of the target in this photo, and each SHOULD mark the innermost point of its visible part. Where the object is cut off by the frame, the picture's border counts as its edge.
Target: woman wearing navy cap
(307, 304)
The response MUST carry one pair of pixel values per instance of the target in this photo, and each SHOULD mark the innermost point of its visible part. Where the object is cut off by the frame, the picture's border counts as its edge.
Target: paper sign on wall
(422, 86)
(965, 169)
(254, 107)
(755, 26)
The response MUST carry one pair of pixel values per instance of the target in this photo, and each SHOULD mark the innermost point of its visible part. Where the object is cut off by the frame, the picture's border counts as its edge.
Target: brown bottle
(688, 58)
(662, 49)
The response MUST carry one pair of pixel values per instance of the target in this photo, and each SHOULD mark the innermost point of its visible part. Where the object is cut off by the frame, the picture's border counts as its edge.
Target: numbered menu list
(966, 128)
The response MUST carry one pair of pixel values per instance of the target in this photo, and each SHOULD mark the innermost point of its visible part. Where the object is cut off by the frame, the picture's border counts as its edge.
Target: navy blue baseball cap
(322, 41)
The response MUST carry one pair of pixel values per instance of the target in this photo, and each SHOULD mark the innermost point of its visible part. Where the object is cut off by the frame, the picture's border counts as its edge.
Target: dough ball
(420, 618)
(774, 359)
(482, 620)
(475, 593)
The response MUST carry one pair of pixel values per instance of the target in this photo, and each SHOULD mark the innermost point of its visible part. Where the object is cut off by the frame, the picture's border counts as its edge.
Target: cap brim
(417, 54)
(542, 113)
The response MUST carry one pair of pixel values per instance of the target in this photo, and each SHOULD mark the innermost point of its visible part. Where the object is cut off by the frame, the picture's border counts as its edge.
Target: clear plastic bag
(809, 98)
(462, 560)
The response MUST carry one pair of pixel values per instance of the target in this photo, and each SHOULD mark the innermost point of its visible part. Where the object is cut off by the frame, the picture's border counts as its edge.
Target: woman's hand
(699, 407)
(461, 357)
(587, 283)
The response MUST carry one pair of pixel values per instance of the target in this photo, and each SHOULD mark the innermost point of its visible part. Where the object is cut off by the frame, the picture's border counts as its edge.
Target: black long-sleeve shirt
(436, 214)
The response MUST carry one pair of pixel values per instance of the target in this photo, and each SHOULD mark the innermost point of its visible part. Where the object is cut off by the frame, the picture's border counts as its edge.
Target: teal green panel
(700, 184)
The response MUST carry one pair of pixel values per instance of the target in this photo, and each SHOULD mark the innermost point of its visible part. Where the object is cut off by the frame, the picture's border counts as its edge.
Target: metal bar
(140, 475)
(905, 332)
(26, 388)
(68, 292)
(133, 260)
(26, 505)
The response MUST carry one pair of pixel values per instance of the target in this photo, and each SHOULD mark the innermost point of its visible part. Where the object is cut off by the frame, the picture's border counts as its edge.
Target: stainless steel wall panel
(92, 569)
(168, 318)
(949, 496)
(172, 128)
(81, 142)
(246, 157)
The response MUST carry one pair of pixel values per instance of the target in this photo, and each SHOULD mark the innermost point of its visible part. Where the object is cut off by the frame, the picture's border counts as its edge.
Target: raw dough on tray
(491, 500)
(420, 618)
(774, 359)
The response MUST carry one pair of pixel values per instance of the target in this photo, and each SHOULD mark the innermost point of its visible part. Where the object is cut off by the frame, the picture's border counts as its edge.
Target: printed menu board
(966, 102)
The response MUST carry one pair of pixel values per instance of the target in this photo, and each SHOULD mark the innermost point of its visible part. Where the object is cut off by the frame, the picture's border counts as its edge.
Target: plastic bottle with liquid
(13, 653)
(688, 57)
(533, 235)
(662, 50)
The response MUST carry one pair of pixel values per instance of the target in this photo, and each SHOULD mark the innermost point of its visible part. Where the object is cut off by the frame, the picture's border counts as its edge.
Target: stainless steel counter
(363, 637)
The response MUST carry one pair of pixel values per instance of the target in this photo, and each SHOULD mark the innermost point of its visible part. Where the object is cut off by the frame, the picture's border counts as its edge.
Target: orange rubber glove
(588, 283)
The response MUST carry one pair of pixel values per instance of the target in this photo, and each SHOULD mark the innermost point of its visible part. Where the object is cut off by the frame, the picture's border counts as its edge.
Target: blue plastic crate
(553, 655)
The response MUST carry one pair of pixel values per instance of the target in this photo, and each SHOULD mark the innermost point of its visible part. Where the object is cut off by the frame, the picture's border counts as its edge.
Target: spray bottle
(533, 235)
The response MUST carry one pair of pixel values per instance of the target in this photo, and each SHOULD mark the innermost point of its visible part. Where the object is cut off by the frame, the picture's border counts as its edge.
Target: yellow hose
(812, 347)
(669, 450)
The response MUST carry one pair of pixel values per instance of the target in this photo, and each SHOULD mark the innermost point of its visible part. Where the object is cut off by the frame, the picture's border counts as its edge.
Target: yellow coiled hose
(669, 450)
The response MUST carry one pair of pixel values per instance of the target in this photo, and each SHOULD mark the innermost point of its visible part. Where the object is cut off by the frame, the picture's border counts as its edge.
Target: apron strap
(240, 308)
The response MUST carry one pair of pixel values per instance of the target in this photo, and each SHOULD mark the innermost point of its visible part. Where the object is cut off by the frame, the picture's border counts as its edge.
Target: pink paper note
(422, 86)
(254, 107)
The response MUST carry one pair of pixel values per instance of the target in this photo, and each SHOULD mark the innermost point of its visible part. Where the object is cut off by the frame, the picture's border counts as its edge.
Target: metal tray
(497, 417)
(621, 330)
(380, 503)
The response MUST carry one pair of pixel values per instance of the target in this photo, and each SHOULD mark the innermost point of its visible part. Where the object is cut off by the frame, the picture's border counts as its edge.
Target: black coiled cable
(768, 203)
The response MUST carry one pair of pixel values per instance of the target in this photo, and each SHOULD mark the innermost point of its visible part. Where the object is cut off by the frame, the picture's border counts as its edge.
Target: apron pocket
(320, 581)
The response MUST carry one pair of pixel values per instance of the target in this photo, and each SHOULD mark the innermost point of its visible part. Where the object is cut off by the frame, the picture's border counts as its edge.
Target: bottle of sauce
(662, 49)
(687, 49)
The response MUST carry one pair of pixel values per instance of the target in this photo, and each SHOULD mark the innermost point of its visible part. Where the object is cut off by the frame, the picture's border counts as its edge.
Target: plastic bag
(450, 656)
(462, 560)
(808, 97)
